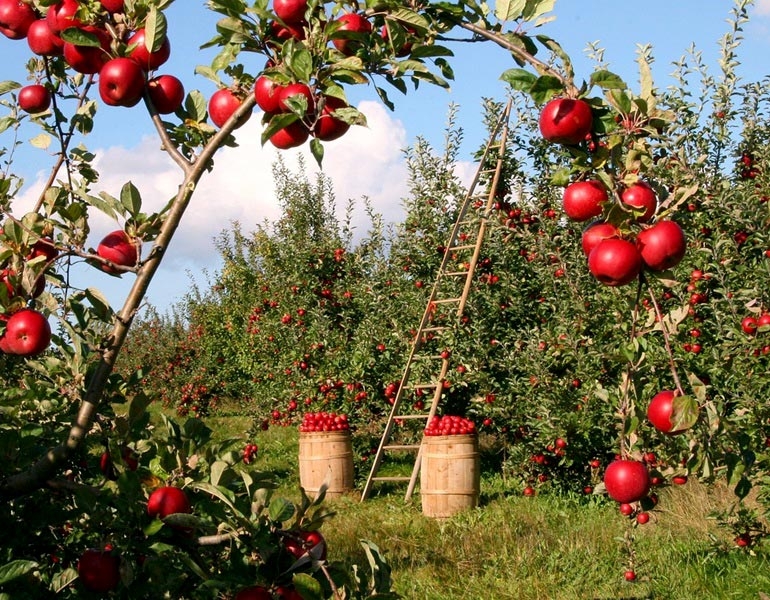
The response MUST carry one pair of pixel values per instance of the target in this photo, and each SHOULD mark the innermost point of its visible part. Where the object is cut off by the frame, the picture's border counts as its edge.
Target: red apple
(660, 410)
(595, 233)
(352, 25)
(112, 6)
(583, 199)
(166, 501)
(292, 90)
(662, 246)
(42, 41)
(255, 592)
(34, 98)
(16, 17)
(141, 53)
(566, 121)
(267, 94)
(99, 571)
(749, 325)
(405, 49)
(61, 16)
(290, 11)
(641, 195)
(300, 542)
(615, 261)
(166, 93)
(27, 333)
(121, 82)
(118, 248)
(288, 31)
(88, 59)
(222, 104)
(291, 136)
(328, 128)
(626, 481)
(763, 320)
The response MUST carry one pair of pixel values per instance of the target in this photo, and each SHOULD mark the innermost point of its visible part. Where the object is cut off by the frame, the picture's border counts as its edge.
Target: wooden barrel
(449, 474)
(325, 454)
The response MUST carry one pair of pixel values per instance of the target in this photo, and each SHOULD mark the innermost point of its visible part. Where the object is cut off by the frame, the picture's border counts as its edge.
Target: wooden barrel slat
(322, 453)
(449, 474)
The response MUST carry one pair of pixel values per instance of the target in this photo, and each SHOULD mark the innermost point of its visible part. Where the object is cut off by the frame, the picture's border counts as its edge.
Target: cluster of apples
(102, 45)
(615, 257)
(450, 425)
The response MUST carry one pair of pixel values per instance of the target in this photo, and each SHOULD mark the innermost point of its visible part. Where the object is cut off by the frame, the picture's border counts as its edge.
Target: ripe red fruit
(743, 540)
(16, 17)
(626, 481)
(27, 333)
(630, 575)
(42, 41)
(222, 104)
(615, 262)
(88, 59)
(529, 491)
(267, 94)
(566, 121)
(641, 195)
(141, 53)
(290, 11)
(166, 501)
(293, 90)
(255, 592)
(626, 509)
(659, 412)
(595, 233)
(679, 479)
(166, 93)
(34, 98)
(121, 82)
(643, 518)
(328, 128)
(287, 593)
(583, 199)
(61, 16)
(300, 542)
(352, 25)
(749, 325)
(662, 246)
(99, 571)
(291, 136)
(118, 248)
(763, 320)
(112, 6)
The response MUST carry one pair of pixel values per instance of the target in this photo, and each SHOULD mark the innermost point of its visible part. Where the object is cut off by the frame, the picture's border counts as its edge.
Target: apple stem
(666, 341)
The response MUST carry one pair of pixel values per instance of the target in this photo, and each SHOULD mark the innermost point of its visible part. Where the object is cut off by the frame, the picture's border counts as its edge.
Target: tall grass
(542, 547)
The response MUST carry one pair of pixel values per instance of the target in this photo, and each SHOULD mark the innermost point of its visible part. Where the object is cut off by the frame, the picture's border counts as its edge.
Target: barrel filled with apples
(325, 454)
(450, 475)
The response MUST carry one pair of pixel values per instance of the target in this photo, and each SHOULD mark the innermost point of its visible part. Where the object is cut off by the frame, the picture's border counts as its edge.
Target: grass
(542, 547)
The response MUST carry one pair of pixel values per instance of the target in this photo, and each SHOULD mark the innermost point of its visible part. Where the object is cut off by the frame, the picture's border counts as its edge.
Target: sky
(366, 161)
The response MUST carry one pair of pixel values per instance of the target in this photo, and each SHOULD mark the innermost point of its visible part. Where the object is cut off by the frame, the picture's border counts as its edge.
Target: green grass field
(546, 546)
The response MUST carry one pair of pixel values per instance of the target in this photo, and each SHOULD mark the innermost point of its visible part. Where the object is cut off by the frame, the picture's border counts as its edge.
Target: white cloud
(365, 162)
(762, 7)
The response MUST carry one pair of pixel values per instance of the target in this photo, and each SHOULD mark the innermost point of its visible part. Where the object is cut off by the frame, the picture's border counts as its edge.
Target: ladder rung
(431, 329)
(402, 447)
(463, 247)
(421, 386)
(391, 478)
(446, 301)
(415, 416)
(455, 273)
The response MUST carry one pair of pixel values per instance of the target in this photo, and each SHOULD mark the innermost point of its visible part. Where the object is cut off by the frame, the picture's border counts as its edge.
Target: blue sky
(367, 161)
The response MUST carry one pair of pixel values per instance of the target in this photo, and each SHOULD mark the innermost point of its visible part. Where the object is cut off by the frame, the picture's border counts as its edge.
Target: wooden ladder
(450, 290)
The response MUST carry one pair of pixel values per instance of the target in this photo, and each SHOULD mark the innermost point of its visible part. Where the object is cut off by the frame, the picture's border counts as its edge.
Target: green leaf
(6, 122)
(545, 88)
(317, 149)
(509, 10)
(15, 569)
(281, 510)
(155, 28)
(131, 199)
(301, 64)
(8, 86)
(561, 177)
(607, 80)
(42, 141)
(63, 580)
(620, 100)
(79, 37)
(519, 79)
(684, 413)
(137, 407)
(277, 122)
(217, 469)
(535, 8)
(308, 587)
(195, 106)
(99, 303)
